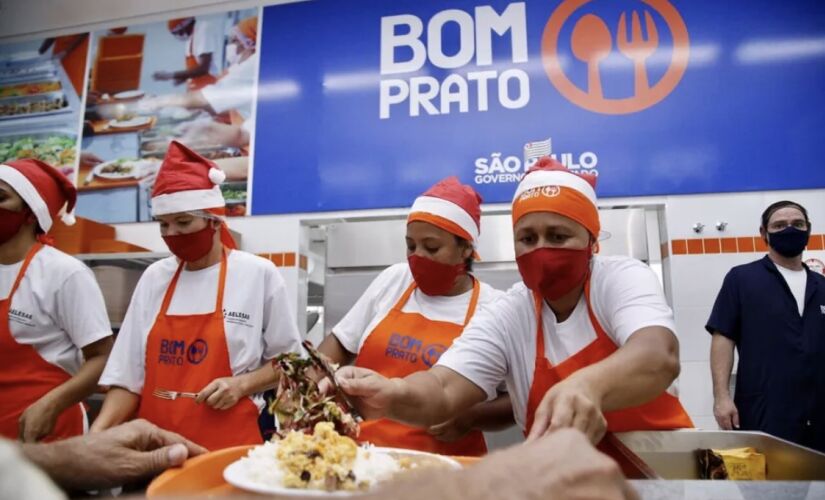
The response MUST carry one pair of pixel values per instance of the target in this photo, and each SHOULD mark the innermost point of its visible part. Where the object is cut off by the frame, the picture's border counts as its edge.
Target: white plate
(137, 121)
(137, 167)
(237, 475)
(129, 94)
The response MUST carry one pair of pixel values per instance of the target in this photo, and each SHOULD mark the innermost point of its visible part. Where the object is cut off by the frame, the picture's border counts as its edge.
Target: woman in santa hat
(585, 341)
(192, 353)
(412, 312)
(54, 331)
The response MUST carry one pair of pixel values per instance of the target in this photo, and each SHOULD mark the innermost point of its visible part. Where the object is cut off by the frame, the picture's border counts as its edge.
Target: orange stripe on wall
(742, 244)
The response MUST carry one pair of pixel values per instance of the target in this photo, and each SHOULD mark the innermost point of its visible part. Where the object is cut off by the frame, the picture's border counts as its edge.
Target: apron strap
(600, 332)
(538, 302)
(404, 297)
(221, 284)
(471, 309)
(170, 290)
(29, 256)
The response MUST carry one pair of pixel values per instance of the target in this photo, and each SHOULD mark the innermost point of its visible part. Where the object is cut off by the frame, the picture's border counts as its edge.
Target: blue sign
(365, 104)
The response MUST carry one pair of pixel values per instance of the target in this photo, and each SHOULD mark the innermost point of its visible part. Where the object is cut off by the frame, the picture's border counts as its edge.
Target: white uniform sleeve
(81, 311)
(479, 354)
(126, 366)
(205, 40)
(235, 90)
(280, 331)
(631, 298)
(353, 326)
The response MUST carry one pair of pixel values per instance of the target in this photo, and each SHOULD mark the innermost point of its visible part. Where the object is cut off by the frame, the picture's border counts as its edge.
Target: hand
(562, 465)
(163, 75)
(88, 159)
(210, 132)
(452, 430)
(37, 421)
(727, 416)
(221, 393)
(116, 456)
(372, 392)
(570, 403)
(179, 80)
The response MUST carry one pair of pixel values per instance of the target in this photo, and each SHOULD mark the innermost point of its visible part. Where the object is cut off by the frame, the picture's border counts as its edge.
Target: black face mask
(789, 242)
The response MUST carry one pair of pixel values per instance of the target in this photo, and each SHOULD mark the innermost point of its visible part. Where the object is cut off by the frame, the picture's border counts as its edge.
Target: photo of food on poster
(41, 82)
(189, 79)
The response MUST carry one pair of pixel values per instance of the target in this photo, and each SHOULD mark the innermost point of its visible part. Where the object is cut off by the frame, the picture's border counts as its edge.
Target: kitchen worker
(54, 331)
(585, 341)
(204, 321)
(412, 312)
(773, 312)
(202, 47)
(230, 98)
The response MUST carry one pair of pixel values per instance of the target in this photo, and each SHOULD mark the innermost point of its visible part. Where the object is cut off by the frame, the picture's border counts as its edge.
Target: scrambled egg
(323, 460)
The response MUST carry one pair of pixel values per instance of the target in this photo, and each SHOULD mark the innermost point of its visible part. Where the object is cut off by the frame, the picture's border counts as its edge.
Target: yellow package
(743, 464)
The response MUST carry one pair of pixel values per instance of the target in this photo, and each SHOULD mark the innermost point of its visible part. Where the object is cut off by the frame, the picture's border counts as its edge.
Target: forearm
(79, 387)
(494, 415)
(428, 398)
(332, 348)
(635, 374)
(721, 364)
(56, 459)
(119, 406)
(259, 380)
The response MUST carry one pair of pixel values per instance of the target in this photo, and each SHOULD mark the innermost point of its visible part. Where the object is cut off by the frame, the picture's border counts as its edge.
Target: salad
(56, 150)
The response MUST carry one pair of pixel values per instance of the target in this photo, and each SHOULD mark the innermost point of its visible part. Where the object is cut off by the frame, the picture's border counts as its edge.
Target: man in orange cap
(585, 341)
(414, 311)
(202, 45)
(54, 330)
(192, 353)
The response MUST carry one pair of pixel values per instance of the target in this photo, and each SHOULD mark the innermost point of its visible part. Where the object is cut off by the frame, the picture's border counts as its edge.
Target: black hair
(766, 215)
(468, 262)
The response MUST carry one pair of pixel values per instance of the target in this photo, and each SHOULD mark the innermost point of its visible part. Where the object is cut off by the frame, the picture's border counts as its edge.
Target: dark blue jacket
(780, 382)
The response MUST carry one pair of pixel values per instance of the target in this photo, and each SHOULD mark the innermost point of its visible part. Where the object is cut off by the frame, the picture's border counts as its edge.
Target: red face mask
(11, 222)
(553, 272)
(434, 278)
(193, 246)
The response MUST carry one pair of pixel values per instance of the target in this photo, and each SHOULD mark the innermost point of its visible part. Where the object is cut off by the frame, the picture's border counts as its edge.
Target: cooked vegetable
(299, 404)
(56, 150)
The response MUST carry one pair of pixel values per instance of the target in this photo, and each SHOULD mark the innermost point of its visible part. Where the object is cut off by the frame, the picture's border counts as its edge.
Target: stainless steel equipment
(671, 454)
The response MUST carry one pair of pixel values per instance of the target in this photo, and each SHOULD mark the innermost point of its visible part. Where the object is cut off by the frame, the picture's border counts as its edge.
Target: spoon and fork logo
(591, 42)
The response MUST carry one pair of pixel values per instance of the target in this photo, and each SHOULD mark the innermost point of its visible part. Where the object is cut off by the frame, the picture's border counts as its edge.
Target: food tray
(39, 86)
(671, 454)
(22, 75)
(203, 475)
(210, 153)
(50, 103)
(39, 138)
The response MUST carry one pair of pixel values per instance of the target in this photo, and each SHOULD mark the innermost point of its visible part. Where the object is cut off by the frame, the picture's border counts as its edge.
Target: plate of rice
(324, 463)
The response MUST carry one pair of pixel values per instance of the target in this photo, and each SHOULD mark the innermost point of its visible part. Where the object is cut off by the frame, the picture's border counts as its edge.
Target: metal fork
(173, 395)
(637, 48)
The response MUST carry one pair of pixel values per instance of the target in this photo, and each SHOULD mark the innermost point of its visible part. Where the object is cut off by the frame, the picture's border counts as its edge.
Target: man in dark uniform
(773, 311)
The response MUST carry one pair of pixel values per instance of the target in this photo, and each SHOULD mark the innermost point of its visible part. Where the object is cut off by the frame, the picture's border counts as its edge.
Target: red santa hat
(188, 182)
(46, 191)
(451, 206)
(550, 187)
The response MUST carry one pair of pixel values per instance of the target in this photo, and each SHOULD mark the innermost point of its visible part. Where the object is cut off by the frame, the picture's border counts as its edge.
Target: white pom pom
(68, 219)
(216, 175)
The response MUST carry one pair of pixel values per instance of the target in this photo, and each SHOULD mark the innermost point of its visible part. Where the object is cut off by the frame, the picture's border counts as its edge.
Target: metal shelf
(140, 260)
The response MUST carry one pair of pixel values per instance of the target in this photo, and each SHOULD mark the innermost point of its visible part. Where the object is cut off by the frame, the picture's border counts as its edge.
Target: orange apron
(192, 62)
(402, 344)
(664, 412)
(185, 354)
(25, 376)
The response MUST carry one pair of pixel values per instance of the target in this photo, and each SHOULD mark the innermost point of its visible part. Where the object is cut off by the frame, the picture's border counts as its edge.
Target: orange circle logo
(592, 41)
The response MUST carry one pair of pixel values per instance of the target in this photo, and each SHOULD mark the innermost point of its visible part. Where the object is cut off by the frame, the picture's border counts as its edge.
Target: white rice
(262, 465)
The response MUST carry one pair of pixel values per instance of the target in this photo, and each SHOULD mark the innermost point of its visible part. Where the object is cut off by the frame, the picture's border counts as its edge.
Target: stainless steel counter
(729, 490)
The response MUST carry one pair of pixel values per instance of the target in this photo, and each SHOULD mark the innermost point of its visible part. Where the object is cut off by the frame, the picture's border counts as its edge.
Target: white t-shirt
(259, 319)
(205, 40)
(383, 293)
(500, 341)
(797, 281)
(236, 89)
(58, 308)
